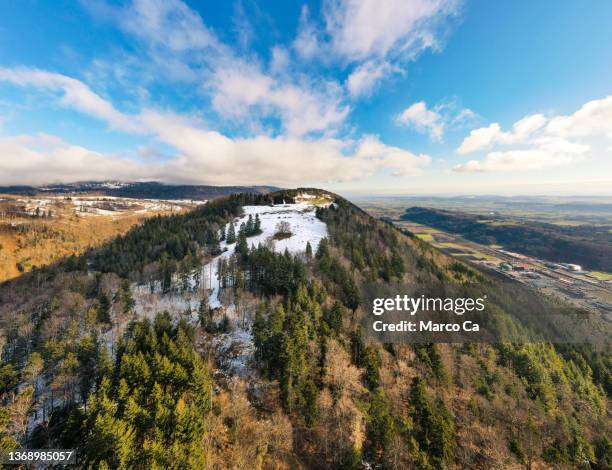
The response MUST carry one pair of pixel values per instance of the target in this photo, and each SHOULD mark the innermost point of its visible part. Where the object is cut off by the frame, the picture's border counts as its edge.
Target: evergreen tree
(308, 251)
(250, 226)
(104, 309)
(126, 297)
(222, 233)
(231, 234)
(309, 394)
(335, 316)
(155, 415)
(257, 226)
(167, 268)
(205, 315)
(242, 247)
(260, 332)
(87, 355)
(433, 426)
(380, 428)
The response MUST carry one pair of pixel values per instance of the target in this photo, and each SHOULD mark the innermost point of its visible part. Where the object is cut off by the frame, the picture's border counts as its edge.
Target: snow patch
(305, 227)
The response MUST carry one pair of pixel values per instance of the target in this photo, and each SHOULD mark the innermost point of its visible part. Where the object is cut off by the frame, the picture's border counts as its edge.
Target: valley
(519, 241)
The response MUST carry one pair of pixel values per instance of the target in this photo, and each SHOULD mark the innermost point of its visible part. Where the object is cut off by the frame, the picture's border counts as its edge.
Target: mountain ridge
(137, 190)
(318, 393)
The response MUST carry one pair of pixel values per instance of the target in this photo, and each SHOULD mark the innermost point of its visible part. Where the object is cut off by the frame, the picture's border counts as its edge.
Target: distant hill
(138, 190)
(586, 245)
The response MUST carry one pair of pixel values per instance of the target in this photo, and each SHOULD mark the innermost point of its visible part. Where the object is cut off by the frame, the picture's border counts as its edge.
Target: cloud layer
(202, 155)
(291, 111)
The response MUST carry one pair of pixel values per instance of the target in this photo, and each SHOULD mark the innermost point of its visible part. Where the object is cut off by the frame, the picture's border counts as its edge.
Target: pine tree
(242, 247)
(380, 428)
(335, 317)
(308, 251)
(149, 417)
(205, 315)
(231, 234)
(309, 394)
(257, 226)
(260, 332)
(87, 357)
(167, 268)
(222, 233)
(104, 307)
(433, 426)
(184, 273)
(250, 226)
(126, 297)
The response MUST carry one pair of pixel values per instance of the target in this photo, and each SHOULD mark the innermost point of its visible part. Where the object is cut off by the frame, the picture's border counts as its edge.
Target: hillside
(230, 336)
(586, 245)
(38, 231)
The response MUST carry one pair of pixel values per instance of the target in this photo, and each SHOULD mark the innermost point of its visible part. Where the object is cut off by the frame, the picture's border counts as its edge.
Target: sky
(359, 97)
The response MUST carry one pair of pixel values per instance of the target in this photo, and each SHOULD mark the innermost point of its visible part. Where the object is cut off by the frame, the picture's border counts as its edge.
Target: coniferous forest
(84, 368)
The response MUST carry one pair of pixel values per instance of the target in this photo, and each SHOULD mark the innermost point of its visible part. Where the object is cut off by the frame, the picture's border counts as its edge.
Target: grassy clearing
(601, 275)
(425, 236)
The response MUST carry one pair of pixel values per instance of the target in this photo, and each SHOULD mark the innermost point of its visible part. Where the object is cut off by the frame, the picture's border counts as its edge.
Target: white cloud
(202, 155)
(423, 120)
(168, 24)
(480, 138)
(593, 118)
(365, 29)
(485, 137)
(75, 94)
(540, 141)
(465, 115)
(434, 121)
(306, 43)
(280, 60)
(282, 160)
(240, 90)
(207, 157)
(363, 80)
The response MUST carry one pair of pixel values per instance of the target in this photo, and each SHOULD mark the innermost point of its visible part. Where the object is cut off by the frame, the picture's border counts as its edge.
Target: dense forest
(588, 246)
(81, 368)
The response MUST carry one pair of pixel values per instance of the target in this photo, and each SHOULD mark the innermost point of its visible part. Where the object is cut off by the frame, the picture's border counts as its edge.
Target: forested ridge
(319, 394)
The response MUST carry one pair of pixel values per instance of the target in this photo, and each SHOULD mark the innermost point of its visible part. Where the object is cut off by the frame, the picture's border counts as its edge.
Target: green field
(601, 275)
(425, 236)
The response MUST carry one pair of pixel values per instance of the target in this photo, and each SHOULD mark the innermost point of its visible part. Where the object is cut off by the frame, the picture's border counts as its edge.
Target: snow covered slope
(305, 227)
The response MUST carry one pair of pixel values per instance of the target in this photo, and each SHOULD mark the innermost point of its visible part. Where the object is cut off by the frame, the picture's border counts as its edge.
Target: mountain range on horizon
(137, 189)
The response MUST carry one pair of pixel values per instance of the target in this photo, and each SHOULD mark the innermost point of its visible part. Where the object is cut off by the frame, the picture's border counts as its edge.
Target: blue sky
(395, 97)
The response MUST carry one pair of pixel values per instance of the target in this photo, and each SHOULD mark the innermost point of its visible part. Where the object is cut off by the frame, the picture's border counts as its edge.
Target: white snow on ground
(305, 227)
(147, 304)
(112, 205)
(235, 349)
(91, 206)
